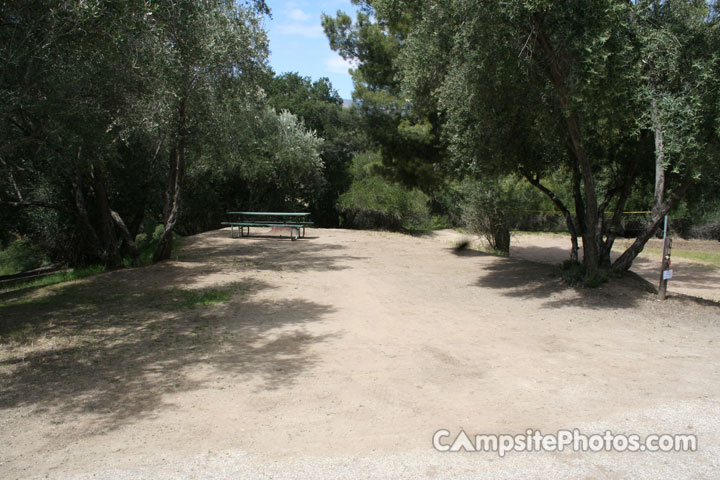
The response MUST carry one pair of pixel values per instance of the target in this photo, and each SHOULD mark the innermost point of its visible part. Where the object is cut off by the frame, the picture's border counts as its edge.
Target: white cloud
(300, 23)
(298, 15)
(310, 31)
(336, 64)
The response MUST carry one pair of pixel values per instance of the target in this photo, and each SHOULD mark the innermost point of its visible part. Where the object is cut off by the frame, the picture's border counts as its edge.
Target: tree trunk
(173, 193)
(113, 259)
(610, 231)
(129, 240)
(138, 214)
(579, 202)
(659, 155)
(136, 220)
(501, 238)
(83, 218)
(624, 262)
(592, 231)
(660, 207)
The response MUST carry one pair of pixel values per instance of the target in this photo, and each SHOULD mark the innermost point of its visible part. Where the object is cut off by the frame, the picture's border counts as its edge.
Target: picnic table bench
(295, 221)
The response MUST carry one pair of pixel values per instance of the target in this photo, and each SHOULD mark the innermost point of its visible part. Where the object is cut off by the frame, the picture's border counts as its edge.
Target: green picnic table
(295, 221)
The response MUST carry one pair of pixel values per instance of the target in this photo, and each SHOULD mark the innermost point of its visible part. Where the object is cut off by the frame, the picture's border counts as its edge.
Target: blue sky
(298, 44)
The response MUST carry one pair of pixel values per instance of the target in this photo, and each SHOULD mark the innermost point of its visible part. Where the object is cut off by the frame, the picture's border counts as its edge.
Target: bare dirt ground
(339, 356)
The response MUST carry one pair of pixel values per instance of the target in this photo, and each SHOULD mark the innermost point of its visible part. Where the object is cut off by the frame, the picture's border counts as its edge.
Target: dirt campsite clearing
(339, 356)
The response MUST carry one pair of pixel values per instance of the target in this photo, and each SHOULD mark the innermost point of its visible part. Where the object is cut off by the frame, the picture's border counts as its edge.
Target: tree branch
(625, 260)
(12, 180)
(608, 198)
(30, 204)
(535, 181)
(127, 236)
(593, 227)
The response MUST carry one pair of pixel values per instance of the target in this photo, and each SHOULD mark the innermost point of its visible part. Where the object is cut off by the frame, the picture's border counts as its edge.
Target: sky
(298, 43)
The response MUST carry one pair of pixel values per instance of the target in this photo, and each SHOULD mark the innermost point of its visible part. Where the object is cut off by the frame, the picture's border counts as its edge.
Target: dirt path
(339, 356)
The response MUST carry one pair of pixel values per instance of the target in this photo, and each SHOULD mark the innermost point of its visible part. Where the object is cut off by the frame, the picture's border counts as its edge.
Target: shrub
(146, 244)
(706, 231)
(375, 202)
(489, 211)
(19, 256)
(541, 222)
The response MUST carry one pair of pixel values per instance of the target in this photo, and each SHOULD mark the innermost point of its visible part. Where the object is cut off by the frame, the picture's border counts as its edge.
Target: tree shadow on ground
(272, 236)
(115, 345)
(524, 279)
(118, 365)
(690, 275)
(535, 253)
(701, 279)
(266, 254)
(469, 252)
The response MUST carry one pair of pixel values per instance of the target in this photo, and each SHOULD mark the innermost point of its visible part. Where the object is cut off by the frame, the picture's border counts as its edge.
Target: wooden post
(667, 246)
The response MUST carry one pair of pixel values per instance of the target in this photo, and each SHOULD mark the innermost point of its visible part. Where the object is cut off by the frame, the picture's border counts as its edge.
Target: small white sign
(667, 274)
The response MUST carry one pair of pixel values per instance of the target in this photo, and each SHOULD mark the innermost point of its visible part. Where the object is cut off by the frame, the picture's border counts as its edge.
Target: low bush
(375, 202)
(20, 256)
(706, 231)
(146, 244)
(489, 210)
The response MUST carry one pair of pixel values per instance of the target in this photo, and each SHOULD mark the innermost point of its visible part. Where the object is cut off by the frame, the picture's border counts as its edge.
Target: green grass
(710, 257)
(206, 297)
(53, 278)
(21, 256)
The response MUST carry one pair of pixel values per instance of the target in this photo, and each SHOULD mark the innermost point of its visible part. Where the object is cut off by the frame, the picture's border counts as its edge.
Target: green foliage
(98, 99)
(412, 150)
(320, 107)
(288, 160)
(375, 202)
(490, 210)
(508, 203)
(206, 297)
(19, 256)
(278, 167)
(581, 89)
(146, 245)
(706, 231)
(317, 103)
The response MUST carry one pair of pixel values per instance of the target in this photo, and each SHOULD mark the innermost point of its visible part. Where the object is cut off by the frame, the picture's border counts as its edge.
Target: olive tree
(609, 92)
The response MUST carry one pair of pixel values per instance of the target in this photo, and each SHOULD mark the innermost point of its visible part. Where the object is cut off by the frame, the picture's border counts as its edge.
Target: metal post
(665, 272)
